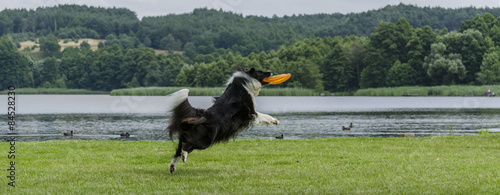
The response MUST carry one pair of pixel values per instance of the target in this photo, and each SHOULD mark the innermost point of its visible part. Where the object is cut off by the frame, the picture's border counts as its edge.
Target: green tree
(74, 63)
(14, 67)
(182, 79)
(6, 25)
(106, 67)
(100, 45)
(471, 45)
(355, 54)
(85, 44)
(190, 50)
(153, 74)
(444, 69)
(170, 43)
(482, 23)
(49, 45)
(401, 74)
(147, 41)
(171, 66)
(50, 71)
(388, 43)
(374, 74)
(302, 60)
(495, 34)
(133, 83)
(490, 69)
(419, 47)
(336, 71)
(59, 83)
(390, 39)
(186, 76)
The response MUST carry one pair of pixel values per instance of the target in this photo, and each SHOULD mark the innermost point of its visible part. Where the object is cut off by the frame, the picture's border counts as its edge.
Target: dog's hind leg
(186, 149)
(173, 164)
(184, 153)
(184, 156)
(175, 158)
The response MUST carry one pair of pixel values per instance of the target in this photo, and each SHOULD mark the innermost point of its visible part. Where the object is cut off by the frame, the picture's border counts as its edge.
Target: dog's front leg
(265, 119)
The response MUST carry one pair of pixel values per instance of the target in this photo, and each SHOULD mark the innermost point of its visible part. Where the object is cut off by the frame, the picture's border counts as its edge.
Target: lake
(104, 117)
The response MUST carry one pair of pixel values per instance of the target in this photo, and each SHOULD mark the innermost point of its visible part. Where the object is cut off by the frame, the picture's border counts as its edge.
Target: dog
(231, 113)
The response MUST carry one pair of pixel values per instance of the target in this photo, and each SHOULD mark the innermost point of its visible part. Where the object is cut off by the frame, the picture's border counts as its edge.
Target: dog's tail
(180, 109)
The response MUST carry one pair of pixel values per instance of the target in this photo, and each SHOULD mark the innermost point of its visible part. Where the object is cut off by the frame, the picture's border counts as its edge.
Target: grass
(422, 165)
(455, 90)
(53, 91)
(208, 91)
(64, 44)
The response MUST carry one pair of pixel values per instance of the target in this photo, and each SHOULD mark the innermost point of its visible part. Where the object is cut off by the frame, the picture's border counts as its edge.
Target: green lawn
(423, 165)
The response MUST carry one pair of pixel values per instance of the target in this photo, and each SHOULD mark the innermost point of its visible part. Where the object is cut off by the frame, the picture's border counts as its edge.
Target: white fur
(265, 119)
(178, 97)
(184, 156)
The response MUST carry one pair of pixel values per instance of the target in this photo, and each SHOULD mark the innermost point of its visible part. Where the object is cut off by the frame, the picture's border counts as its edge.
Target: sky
(248, 7)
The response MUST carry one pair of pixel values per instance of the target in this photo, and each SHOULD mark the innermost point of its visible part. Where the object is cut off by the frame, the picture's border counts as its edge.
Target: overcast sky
(249, 7)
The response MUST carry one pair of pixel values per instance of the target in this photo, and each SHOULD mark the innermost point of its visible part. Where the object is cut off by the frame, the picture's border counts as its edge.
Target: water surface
(103, 117)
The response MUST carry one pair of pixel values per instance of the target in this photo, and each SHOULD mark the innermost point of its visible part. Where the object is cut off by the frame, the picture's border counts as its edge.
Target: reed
(288, 92)
(453, 90)
(54, 91)
(209, 91)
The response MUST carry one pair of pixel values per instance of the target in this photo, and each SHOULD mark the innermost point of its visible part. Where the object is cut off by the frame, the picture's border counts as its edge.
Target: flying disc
(277, 79)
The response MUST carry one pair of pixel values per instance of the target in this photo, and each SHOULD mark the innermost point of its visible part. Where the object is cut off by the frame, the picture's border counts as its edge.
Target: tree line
(393, 54)
(205, 30)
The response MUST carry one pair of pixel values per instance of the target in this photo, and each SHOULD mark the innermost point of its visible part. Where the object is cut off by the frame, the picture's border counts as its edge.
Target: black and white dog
(231, 113)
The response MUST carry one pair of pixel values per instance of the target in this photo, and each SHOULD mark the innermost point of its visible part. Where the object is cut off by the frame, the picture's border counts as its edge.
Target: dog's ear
(188, 123)
(251, 71)
(240, 68)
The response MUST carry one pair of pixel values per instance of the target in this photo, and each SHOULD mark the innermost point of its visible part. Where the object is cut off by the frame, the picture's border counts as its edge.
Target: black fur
(231, 113)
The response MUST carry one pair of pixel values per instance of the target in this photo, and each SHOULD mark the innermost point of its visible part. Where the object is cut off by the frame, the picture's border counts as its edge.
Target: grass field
(64, 43)
(69, 43)
(209, 91)
(422, 165)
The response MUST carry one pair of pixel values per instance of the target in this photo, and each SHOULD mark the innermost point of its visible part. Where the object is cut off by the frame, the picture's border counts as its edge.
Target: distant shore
(443, 90)
(453, 90)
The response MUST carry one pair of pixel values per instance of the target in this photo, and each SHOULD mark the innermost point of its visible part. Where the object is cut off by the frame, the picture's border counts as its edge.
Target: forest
(398, 45)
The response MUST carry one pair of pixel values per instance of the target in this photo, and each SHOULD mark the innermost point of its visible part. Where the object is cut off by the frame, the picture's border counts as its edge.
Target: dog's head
(257, 74)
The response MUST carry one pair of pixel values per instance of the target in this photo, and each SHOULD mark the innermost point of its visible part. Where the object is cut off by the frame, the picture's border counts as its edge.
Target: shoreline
(413, 91)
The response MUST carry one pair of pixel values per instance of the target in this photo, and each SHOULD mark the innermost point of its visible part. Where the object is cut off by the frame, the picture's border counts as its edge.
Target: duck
(345, 128)
(68, 134)
(280, 137)
(126, 134)
(351, 126)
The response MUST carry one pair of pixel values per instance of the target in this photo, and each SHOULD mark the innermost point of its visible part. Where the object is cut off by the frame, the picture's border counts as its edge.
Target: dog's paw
(276, 121)
(172, 168)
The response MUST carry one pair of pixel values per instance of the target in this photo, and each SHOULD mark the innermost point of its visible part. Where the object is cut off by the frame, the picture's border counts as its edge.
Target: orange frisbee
(277, 79)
